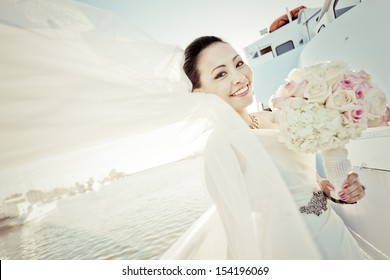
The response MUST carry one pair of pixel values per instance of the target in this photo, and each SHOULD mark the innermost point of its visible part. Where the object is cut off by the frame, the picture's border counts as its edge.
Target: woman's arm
(352, 190)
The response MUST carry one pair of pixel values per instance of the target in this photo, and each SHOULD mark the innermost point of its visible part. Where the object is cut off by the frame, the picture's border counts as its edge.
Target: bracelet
(339, 201)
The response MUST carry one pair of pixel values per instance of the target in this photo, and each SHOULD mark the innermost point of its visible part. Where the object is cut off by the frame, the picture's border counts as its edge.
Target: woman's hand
(352, 190)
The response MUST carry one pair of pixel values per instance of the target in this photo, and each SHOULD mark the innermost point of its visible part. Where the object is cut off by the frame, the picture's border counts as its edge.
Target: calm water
(138, 217)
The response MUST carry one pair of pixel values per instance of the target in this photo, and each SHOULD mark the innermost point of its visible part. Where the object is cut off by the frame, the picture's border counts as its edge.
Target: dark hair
(191, 55)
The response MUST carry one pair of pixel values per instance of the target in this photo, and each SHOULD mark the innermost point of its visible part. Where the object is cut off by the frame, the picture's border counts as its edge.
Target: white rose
(296, 75)
(333, 71)
(341, 99)
(316, 90)
(376, 101)
(295, 103)
(305, 131)
(352, 131)
(310, 127)
(332, 121)
(306, 117)
(314, 69)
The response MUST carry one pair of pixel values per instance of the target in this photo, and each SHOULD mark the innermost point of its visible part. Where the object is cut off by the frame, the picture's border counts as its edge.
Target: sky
(180, 21)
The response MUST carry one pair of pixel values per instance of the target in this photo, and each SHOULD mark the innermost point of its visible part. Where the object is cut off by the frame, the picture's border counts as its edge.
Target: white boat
(345, 29)
(31, 212)
(18, 211)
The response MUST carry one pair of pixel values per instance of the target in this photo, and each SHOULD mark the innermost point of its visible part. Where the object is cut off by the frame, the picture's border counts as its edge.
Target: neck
(245, 116)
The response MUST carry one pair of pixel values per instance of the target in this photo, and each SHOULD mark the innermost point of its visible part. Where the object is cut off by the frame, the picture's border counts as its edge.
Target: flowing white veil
(79, 82)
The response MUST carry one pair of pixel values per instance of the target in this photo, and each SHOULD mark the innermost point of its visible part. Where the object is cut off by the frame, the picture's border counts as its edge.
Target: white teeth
(244, 89)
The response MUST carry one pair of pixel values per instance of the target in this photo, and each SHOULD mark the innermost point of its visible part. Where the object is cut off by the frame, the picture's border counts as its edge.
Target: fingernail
(330, 188)
(346, 185)
(342, 194)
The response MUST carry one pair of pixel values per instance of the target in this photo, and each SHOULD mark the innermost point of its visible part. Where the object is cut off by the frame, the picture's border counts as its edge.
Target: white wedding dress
(259, 197)
(299, 172)
(83, 91)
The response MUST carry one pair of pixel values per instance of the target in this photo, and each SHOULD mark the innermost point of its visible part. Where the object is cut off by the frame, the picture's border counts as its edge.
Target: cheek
(249, 74)
(225, 89)
(223, 95)
(220, 88)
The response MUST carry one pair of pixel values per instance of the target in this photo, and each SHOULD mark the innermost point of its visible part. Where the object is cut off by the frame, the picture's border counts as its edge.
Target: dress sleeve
(337, 167)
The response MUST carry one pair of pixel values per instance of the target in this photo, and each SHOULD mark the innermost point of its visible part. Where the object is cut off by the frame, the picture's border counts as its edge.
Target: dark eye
(240, 63)
(220, 75)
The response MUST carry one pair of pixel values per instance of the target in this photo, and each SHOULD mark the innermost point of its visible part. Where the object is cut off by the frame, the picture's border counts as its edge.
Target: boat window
(342, 6)
(285, 47)
(266, 50)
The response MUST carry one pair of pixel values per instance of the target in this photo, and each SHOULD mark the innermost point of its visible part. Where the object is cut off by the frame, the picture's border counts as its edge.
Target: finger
(353, 196)
(361, 191)
(351, 179)
(351, 183)
(349, 189)
(328, 186)
(357, 197)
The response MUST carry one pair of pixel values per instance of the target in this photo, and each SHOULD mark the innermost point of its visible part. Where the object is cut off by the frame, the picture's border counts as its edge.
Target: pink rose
(350, 81)
(357, 114)
(362, 89)
(287, 89)
(357, 77)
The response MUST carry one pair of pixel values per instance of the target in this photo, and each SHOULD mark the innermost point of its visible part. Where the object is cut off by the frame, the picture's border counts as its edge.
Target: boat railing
(204, 240)
(308, 23)
(332, 9)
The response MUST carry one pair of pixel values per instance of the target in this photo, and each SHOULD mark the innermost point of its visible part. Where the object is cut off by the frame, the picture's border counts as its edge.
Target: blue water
(137, 217)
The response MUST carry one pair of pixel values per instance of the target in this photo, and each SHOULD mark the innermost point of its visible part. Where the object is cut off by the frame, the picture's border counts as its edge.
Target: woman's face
(223, 72)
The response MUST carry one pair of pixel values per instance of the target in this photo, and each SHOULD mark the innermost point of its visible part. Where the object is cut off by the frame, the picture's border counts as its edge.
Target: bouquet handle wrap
(337, 166)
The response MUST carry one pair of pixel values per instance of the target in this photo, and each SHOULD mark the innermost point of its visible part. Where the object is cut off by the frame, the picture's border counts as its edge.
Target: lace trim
(317, 204)
(341, 167)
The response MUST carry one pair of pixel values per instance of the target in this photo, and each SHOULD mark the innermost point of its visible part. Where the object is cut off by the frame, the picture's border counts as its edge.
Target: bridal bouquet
(324, 106)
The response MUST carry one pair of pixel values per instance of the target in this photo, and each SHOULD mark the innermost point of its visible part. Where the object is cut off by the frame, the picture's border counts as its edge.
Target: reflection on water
(138, 217)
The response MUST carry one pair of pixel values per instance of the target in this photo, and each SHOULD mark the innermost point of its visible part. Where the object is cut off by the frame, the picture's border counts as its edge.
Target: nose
(238, 78)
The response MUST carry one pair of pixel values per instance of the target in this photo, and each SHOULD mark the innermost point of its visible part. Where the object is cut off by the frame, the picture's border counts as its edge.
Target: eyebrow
(223, 65)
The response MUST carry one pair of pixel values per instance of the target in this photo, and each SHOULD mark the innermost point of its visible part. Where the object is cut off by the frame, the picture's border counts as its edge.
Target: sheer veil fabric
(82, 92)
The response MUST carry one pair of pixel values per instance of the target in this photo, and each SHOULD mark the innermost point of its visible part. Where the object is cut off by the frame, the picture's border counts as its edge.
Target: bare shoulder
(265, 119)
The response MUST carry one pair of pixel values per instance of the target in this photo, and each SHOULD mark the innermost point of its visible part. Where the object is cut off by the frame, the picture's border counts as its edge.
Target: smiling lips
(241, 92)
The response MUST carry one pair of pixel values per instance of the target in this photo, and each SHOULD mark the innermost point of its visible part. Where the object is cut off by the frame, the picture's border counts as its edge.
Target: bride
(77, 78)
(214, 67)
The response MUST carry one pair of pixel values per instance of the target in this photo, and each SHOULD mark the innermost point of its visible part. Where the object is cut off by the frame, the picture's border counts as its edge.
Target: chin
(249, 99)
(243, 104)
